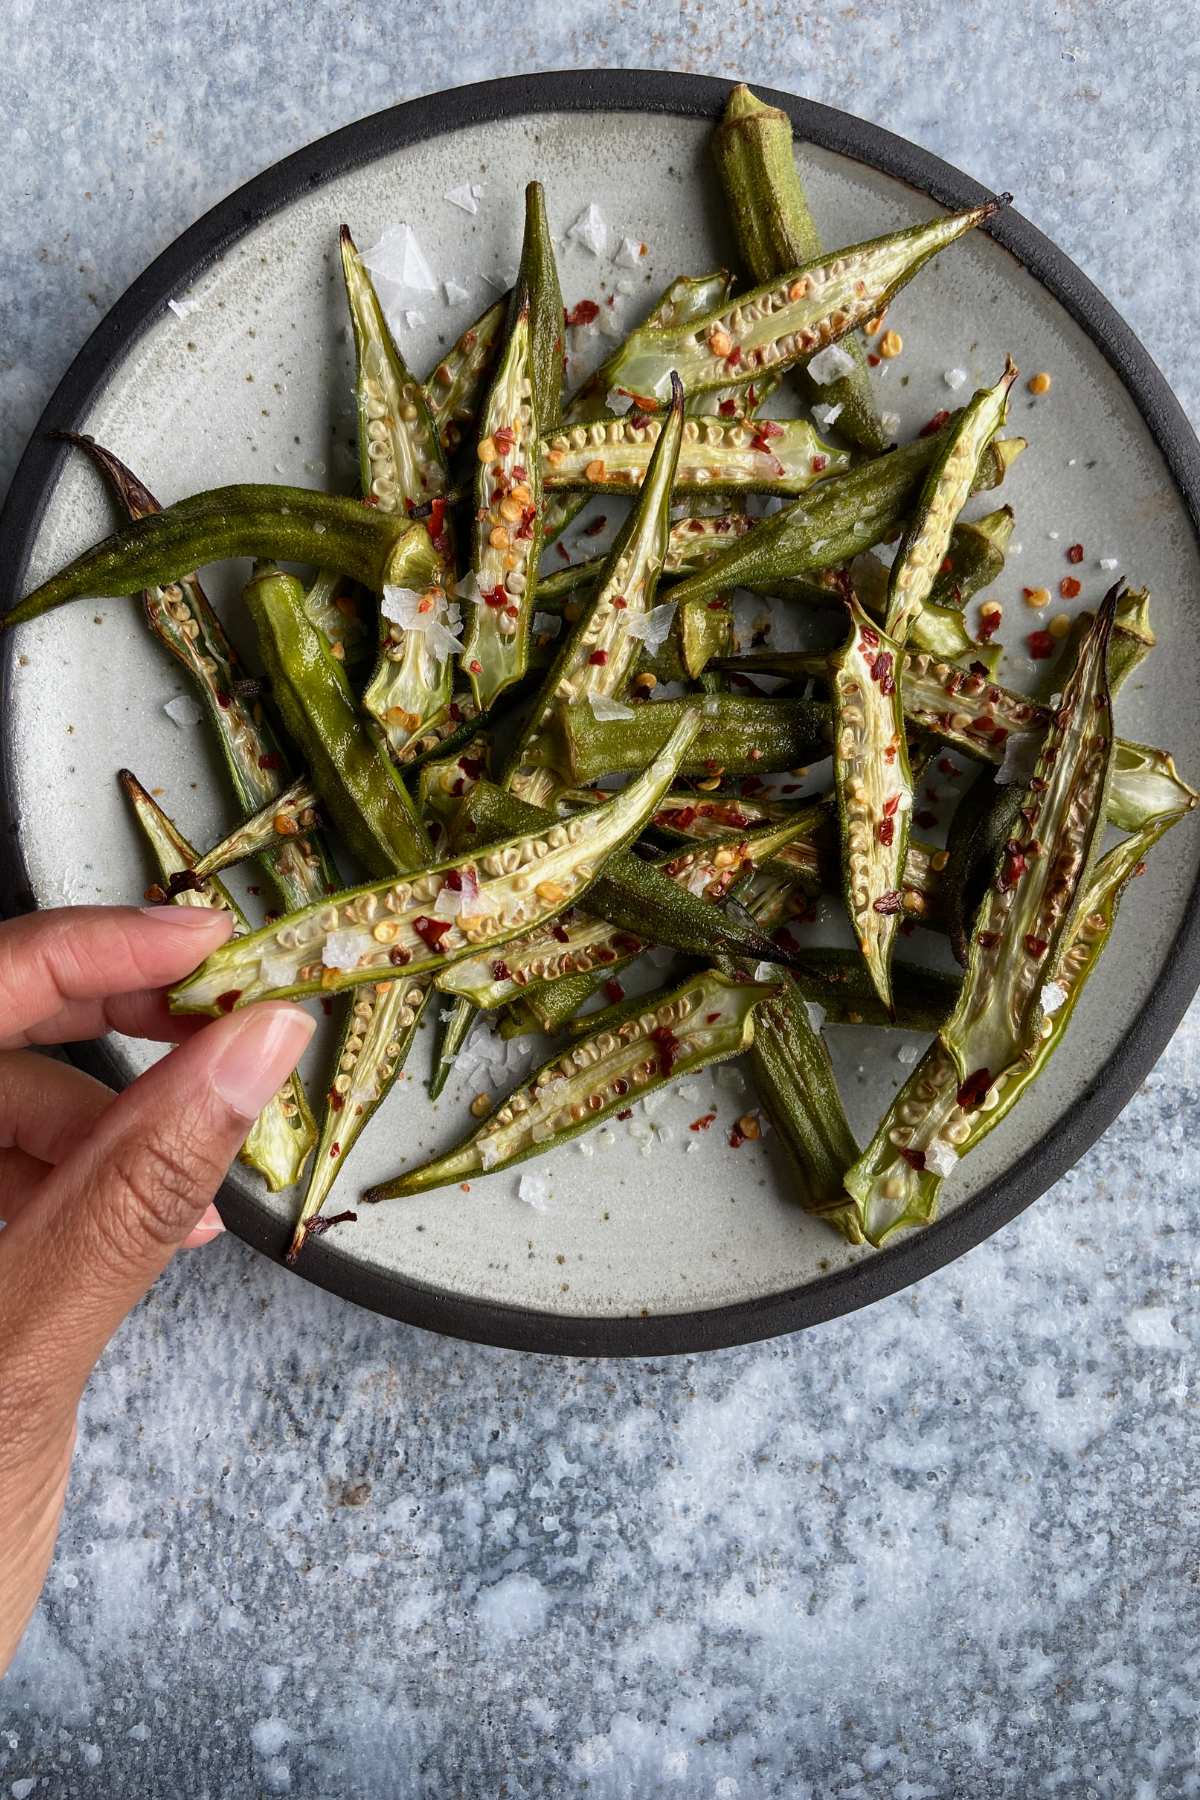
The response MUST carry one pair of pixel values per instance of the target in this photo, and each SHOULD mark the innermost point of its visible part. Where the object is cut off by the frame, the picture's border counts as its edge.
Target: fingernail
(262, 1046)
(208, 1226)
(190, 917)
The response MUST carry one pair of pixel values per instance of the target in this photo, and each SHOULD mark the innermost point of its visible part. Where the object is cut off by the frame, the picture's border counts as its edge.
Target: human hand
(99, 1190)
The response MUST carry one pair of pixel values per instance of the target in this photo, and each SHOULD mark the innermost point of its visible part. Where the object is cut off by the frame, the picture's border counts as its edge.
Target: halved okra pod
(279, 1141)
(754, 456)
(436, 915)
(454, 390)
(788, 318)
(1027, 918)
(796, 1084)
(775, 231)
(707, 1019)
(183, 621)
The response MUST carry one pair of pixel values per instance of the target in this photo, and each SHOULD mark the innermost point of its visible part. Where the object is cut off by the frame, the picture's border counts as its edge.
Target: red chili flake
(398, 956)
(504, 438)
(371, 500)
(455, 711)
(1069, 588)
(501, 971)
(626, 1112)
(727, 408)
(336, 1100)
(703, 1122)
(946, 766)
(737, 1137)
(695, 525)
(668, 1048)
(471, 766)
(626, 943)
(1014, 866)
(947, 565)
(819, 463)
(891, 806)
(1075, 553)
(750, 785)
(598, 658)
(973, 1090)
(711, 1018)
(881, 671)
(989, 625)
(270, 759)
(613, 991)
(890, 902)
(620, 602)
(563, 552)
(582, 313)
(227, 1002)
(431, 931)
(931, 427)
(496, 597)
(223, 699)
(751, 397)
(595, 526)
(458, 788)
(1041, 645)
(874, 359)
(682, 818)
(525, 528)
(1036, 946)
(925, 819)
(735, 356)
(869, 639)
(890, 752)
(560, 932)
(887, 831)
(518, 471)
(437, 523)
(914, 1158)
(716, 606)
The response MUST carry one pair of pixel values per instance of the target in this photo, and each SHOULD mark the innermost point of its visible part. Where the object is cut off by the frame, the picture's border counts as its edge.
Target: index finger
(50, 960)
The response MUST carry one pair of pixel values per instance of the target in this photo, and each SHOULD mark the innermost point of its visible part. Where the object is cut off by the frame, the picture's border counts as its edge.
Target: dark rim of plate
(692, 96)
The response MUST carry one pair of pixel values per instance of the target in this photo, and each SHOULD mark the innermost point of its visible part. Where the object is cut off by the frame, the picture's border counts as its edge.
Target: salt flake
(398, 258)
(412, 319)
(184, 710)
(591, 230)
(954, 378)
(532, 1190)
(605, 707)
(907, 1053)
(830, 364)
(454, 291)
(1109, 562)
(1054, 995)
(342, 949)
(1020, 761)
(630, 254)
(816, 1014)
(466, 197)
(438, 618)
(941, 1157)
(825, 415)
(651, 627)
(183, 309)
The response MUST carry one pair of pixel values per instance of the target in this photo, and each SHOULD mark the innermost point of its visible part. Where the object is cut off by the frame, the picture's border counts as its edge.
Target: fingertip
(255, 1052)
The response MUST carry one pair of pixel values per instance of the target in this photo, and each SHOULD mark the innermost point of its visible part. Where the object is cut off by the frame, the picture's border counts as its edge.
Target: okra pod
(444, 782)
(290, 814)
(360, 789)
(279, 1141)
(796, 1084)
(717, 455)
(775, 231)
(692, 542)
(945, 490)
(508, 531)
(183, 621)
(975, 558)
(454, 390)
(436, 915)
(706, 1020)
(455, 1032)
(282, 524)
(336, 615)
(788, 318)
(537, 289)
(874, 790)
(834, 523)
(737, 737)
(838, 982)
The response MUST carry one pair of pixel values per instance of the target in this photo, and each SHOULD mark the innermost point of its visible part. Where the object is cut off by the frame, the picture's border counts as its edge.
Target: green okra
(986, 818)
(359, 787)
(283, 524)
(537, 288)
(402, 926)
(281, 1138)
(707, 1019)
(737, 737)
(455, 389)
(788, 318)
(838, 982)
(292, 813)
(975, 558)
(454, 1036)
(717, 456)
(775, 231)
(796, 1084)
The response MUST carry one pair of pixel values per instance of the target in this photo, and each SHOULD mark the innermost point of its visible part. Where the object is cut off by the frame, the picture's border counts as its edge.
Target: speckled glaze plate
(643, 1247)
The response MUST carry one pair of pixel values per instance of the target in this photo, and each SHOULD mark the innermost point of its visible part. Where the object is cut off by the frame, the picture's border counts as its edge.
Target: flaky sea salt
(1053, 995)
(630, 253)
(466, 197)
(826, 415)
(183, 711)
(830, 364)
(183, 309)
(586, 1147)
(438, 618)
(1109, 562)
(277, 971)
(907, 1053)
(890, 422)
(941, 1158)
(454, 291)
(816, 1014)
(342, 949)
(954, 378)
(398, 257)
(412, 319)
(590, 230)
(651, 627)
(489, 1152)
(605, 707)
(533, 1191)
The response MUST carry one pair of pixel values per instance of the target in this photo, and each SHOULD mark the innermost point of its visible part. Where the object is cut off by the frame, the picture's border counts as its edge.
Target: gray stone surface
(943, 1548)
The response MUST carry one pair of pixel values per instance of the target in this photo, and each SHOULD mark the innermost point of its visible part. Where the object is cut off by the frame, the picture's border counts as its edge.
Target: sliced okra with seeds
(360, 789)
(833, 523)
(337, 616)
(602, 650)
(692, 542)
(788, 318)
(796, 1083)
(254, 519)
(425, 920)
(737, 737)
(707, 1019)
(874, 790)
(183, 621)
(455, 389)
(278, 1143)
(507, 531)
(444, 782)
(894, 1186)
(717, 455)
(975, 559)
(456, 1030)
(380, 1025)
(947, 486)
(292, 813)
(775, 231)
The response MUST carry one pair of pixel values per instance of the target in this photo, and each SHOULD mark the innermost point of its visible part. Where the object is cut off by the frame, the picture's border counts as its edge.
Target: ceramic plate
(645, 1245)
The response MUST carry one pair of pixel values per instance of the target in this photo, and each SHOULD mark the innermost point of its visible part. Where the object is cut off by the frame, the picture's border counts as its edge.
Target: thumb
(113, 1212)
